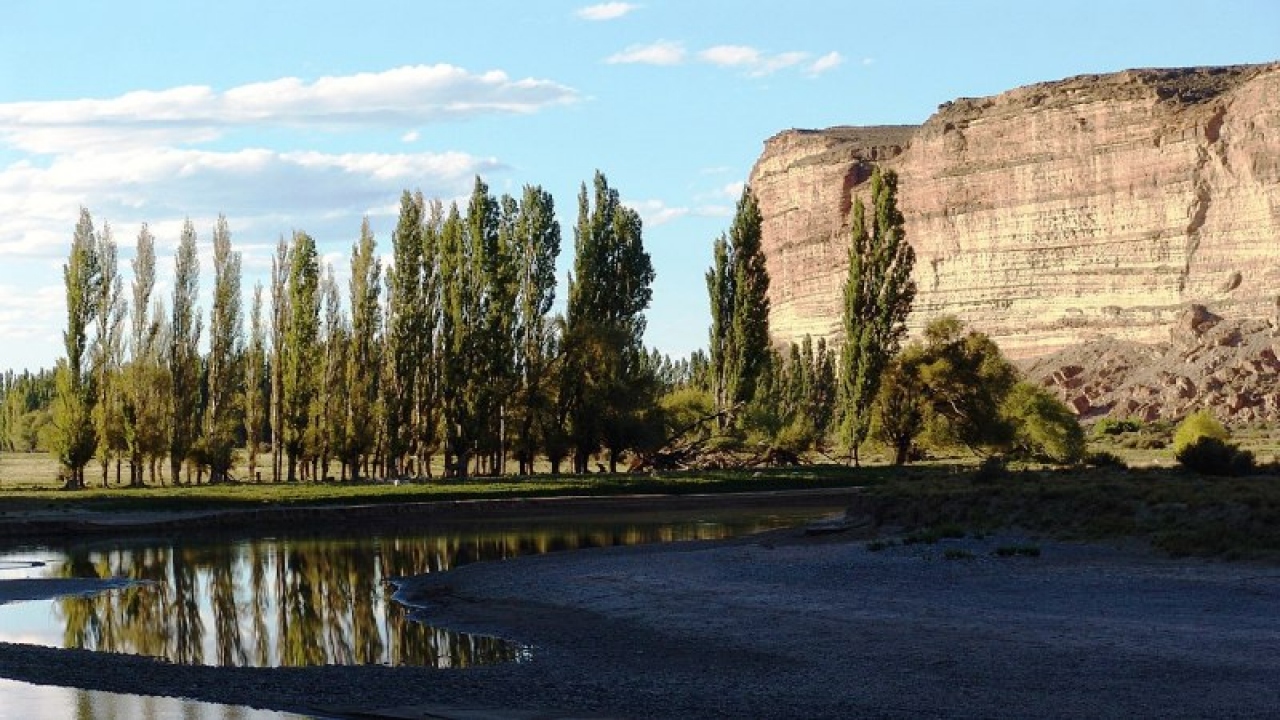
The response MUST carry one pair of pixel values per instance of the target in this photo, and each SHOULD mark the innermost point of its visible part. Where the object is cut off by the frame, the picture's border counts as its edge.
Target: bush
(991, 468)
(1199, 424)
(1043, 426)
(1105, 459)
(1112, 426)
(1213, 456)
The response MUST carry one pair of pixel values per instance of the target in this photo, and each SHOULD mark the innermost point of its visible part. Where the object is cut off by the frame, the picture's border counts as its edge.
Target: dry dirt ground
(789, 625)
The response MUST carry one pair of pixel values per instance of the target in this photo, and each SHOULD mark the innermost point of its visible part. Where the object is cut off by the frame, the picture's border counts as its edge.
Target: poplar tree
(185, 326)
(226, 348)
(490, 224)
(536, 247)
(144, 405)
(330, 417)
(459, 325)
(738, 285)
(108, 347)
(609, 290)
(74, 438)
(254, 371)
(365, 287)
(878, 293)
(298, 355)
(279, 327)
(406, 329)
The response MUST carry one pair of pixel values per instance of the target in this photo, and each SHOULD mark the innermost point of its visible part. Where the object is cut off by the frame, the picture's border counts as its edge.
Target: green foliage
(738, 285)
(185, 327)
(1200, 424)
(878, 294)
(75, 438)
(365, 287)
(299, 355)
(1105, 459)
(225, 359)
(606, 383)
(992, 468)
(1043, 426)
(1113, 427)
(1209, 455)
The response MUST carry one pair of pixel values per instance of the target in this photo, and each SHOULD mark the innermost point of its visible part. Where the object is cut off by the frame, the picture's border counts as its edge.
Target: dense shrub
(1043, 427)
(1112, 426)
(1105, 459)
(1199, 424)
(1213, 456)
(992, 468)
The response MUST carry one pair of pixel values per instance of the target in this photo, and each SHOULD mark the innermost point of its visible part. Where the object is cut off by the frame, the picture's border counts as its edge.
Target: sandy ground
(786, 625)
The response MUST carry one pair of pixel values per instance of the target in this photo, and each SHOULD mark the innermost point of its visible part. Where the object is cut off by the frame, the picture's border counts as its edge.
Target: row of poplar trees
(451, 350)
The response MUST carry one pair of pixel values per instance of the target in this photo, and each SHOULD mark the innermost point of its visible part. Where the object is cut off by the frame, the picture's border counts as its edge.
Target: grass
(29, 482)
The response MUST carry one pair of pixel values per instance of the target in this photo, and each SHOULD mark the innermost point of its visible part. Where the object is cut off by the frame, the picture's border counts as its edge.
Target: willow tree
(75, 438)
(878, 293)
(225, 364)
(185, 327)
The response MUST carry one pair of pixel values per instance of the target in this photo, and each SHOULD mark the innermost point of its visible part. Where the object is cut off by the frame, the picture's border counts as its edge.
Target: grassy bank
(1178, 512)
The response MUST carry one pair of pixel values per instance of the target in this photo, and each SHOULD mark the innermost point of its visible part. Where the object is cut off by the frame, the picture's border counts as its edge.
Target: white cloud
(410, 137)
(266, 189)
(830, 61)
(658, 212)
(731, 55)
(740, 57)
(733, 189)
(658, 53)
(606, 11)
(410, 95)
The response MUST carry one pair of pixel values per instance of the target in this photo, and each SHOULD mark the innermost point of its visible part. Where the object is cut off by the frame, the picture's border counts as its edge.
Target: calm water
(21, 701)
(296, 601)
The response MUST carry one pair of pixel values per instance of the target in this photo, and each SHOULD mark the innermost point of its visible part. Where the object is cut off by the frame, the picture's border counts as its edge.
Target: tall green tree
(428, 412)
(185, 327)
(460, 326)
(223, 413)
(491, 225)
(301, 340)
(365, 287)
(878, 294)
(145, 379)
(329, 423)
(255, 376)
(108, 349)
(75, 439)
(609, 290)
(406, 329)
(280, 265)
(536, 247)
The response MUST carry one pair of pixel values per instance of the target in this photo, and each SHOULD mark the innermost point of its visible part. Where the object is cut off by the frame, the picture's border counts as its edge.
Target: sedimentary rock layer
(1049, 215)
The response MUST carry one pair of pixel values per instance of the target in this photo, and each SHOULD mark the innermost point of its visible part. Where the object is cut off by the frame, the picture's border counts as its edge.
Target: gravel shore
(788, 625)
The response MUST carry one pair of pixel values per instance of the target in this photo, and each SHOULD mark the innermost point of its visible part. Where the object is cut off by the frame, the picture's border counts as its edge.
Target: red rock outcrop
(1050, 215)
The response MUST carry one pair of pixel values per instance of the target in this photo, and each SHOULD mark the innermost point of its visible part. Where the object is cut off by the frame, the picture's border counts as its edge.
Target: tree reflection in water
(311, 601)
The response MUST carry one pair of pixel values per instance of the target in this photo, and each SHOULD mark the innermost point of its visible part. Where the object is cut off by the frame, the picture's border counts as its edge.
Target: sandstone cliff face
(1099, 206)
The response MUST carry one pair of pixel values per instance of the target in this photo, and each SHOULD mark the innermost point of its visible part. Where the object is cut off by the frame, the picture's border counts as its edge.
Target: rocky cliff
(1053, 214)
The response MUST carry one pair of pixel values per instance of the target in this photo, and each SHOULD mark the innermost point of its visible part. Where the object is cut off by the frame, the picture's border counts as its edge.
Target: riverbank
(794, 625)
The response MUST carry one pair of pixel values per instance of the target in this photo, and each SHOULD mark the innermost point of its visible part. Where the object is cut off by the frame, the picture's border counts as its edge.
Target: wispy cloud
(830, 61)
(658, 53)
(410, 95)
(606, 11)
(753, 61)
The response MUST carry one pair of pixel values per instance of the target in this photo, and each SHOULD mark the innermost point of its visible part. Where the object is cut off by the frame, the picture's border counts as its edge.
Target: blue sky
(313, 114)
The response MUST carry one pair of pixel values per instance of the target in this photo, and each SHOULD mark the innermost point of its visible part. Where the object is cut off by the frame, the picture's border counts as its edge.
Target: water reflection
(22, 701)
(306, 600)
